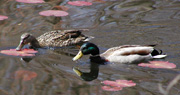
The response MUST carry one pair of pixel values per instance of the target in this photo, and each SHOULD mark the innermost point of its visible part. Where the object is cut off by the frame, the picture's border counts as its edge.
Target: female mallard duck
(121, 54)
(55, 38)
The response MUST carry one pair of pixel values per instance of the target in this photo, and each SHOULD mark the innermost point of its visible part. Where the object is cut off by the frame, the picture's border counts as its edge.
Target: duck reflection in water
(88, 76)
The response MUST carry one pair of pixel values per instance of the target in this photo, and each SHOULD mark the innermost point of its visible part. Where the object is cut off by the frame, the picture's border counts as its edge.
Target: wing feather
(126, 50)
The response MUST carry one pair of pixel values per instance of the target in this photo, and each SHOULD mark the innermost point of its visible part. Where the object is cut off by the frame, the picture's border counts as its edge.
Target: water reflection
(25, 59)
(67, 51)
(88, 76)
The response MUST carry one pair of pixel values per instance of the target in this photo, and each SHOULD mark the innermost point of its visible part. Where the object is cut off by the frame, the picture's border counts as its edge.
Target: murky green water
(112, 23)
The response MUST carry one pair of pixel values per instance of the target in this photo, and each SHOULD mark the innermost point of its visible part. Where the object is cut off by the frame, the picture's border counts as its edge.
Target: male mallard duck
(121, 54)
(55, 38)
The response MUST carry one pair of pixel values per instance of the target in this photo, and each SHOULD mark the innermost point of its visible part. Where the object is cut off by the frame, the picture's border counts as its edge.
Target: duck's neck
(97, 59)
(34, 43)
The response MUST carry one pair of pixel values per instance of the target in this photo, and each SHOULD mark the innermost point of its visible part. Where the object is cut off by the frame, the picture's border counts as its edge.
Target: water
(112, 23)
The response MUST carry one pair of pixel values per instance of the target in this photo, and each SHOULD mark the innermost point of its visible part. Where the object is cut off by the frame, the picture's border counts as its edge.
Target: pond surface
(112, 23)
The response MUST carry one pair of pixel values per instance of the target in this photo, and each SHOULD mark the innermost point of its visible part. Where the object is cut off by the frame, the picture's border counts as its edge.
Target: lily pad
(117, 85)
(30, 1)
(120, 83)
(24, 52)
(158, 64)
(108, 82)
(25, 75)
(109, 88)
(124, 83)
(56, 13)
(3, 17)
(79, 3)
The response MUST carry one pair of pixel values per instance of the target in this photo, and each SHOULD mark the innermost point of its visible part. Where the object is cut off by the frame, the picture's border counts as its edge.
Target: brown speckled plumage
(55, 38)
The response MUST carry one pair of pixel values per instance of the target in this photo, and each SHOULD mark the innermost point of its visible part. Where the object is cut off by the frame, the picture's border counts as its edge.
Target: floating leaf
(120, 83)
(117, 85)
(158, 64)
(56, 13)
(79, 3)
(24, 52)
(3, 17)
(30, 1)
(108, 88)
(124, 83)
(25, 75)
(108, 82)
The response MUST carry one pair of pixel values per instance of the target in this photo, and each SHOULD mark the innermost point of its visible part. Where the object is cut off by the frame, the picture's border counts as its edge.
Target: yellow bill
(79, 73)
(78, 56)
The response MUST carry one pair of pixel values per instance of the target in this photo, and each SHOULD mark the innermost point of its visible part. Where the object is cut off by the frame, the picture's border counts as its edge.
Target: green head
(87, 48)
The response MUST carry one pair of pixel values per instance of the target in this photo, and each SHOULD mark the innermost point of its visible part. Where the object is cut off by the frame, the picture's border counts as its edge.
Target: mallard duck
(121, 54)
(55, 38)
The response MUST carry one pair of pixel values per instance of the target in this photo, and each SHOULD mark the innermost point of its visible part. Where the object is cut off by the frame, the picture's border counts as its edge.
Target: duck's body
(121, 54)
(56, 38)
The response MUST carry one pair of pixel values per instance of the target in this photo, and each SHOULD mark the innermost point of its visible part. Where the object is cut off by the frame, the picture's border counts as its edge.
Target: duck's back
(62, 38)
(126, 50)
(128, 53)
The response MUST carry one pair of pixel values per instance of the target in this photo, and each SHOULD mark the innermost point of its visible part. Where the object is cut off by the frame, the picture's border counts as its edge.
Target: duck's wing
(126, 50)
(62, 34)
(67, 34)
(62, 38)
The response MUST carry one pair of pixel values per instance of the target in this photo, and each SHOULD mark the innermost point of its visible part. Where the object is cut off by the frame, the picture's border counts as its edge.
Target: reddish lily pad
(108, 82)
(109, 88)
(56, 13)
(120, 83)
(124, 83)
(24, 52)
(25, 75)
(3, 17)
(117, 85)
(30, 1)
(158, 64)
(79, 3)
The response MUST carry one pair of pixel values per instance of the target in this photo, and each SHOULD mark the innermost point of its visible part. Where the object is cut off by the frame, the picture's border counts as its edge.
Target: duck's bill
(78, 56)
(19, 47)
(78, 72)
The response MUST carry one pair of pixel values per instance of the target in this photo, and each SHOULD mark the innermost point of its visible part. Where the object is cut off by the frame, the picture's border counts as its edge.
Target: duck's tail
(158, 54)
(88, 38)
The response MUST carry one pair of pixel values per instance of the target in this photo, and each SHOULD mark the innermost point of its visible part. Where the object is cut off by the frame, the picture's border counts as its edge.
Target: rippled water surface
(112, 23)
